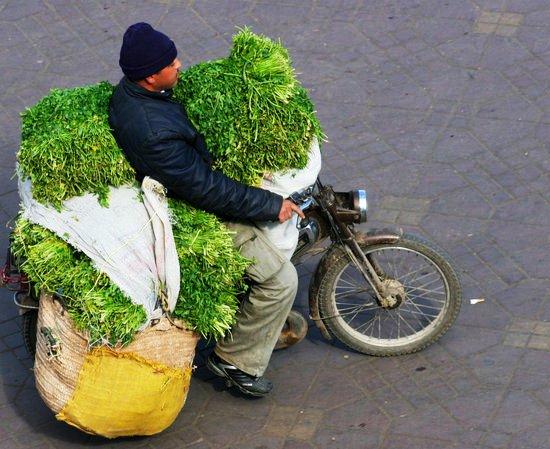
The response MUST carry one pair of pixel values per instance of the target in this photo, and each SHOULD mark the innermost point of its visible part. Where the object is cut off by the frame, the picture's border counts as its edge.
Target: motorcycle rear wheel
(430, 297)
(29, 322)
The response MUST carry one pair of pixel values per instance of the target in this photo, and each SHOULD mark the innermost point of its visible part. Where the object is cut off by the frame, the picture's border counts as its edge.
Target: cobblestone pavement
(441, 108)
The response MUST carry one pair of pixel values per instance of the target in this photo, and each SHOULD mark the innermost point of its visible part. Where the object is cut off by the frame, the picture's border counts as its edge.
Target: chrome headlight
(360, 204)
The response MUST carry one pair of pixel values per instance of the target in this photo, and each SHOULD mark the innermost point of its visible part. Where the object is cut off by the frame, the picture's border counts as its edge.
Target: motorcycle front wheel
(426, 301)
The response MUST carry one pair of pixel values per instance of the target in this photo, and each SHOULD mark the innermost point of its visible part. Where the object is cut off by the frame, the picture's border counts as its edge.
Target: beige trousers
(262, 315)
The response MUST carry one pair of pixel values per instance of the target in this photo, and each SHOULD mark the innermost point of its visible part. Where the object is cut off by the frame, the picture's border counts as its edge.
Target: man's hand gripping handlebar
(287, 209)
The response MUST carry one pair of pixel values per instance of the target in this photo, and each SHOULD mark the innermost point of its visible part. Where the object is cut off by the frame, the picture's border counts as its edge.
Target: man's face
(167, 78)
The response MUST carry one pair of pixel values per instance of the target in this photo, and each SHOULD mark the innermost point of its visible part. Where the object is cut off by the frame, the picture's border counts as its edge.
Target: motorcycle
(382, 292)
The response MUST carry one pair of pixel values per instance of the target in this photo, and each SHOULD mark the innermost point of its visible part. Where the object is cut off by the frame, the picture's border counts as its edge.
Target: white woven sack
(285, 235)
(131, 240)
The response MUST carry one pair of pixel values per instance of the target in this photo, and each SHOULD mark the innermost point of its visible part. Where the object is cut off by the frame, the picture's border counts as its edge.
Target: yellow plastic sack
(123, 394)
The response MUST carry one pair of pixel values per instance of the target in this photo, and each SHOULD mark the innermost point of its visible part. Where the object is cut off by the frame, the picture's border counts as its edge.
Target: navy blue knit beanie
(145, 51)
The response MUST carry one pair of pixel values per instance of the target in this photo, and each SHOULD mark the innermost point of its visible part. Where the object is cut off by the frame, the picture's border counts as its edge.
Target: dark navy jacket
(159, 141)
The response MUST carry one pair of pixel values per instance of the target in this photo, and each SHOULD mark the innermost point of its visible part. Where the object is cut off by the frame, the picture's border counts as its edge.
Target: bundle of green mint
(253, 112)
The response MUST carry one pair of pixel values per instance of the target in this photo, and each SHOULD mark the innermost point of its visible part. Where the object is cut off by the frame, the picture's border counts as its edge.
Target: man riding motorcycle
(159, 141)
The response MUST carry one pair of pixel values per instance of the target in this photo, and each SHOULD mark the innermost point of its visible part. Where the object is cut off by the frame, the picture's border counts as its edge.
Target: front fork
(366, 265)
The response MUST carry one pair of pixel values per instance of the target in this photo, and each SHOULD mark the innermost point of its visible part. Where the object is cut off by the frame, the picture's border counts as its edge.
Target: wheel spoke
(356, 313)
(360, 307)
(427, 306)
(348, 293)
(371, 321)
(417, 279)
(346, 303)
(409, 288)
(410, 274)
(406, 322)
(351, 281)
(427, 284)
(414, 312)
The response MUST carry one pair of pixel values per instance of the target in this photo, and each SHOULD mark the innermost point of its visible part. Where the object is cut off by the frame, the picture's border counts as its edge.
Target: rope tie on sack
(163, 300)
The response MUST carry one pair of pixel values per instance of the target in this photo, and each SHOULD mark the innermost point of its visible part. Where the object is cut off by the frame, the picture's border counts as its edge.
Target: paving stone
(331, 389)
(466, 50)
(475, 410)
(410, 218)
(527, 380)
(542, 328)
(535, 438)
(408, 442)
(495, 366)
(12, 370)
(539, 342)
(516, 340)
(497, 133)
(456, 144)
(259, 441)
(438, 180)
(505, 30)
(466, 201)
(306, 424)
(362, 414)
(534, 261)
(401, 203)
(226, 403)
(469, 343)
(523, 300)
(440, 80)
(345, 438)
(7, 395)
(391, 403)
(519, 412)
(9, 327)
(485, 27)
(291, 443)
(512, 107)
(527, 5)
(515, 237)
(488, 314)
(281, 420)
(497, 440)
(185, 438)
(421, 423)
(503, 52)
(444, 228)
(366, 377)
(225, 429)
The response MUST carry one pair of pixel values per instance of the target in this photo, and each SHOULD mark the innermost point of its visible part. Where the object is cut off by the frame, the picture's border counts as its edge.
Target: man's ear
(150, 79)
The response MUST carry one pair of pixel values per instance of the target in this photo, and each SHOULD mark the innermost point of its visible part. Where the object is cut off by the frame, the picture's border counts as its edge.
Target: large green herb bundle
(254, 114)
(94, 303)
(211, 270)
(67, 148)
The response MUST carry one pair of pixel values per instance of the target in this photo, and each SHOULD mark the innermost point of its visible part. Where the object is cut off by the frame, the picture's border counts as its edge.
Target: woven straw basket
(135, 390)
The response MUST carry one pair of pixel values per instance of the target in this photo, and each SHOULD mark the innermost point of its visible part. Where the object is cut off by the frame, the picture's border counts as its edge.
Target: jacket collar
(138, 91)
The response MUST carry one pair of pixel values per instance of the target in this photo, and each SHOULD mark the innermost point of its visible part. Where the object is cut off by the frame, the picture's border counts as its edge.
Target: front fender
(378, 236)
(314, 286)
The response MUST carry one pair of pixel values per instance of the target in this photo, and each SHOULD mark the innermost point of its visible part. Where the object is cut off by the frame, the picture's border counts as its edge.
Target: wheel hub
(394, 294)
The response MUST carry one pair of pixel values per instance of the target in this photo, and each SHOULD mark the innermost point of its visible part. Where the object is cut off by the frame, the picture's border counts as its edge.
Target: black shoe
(249, 385)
